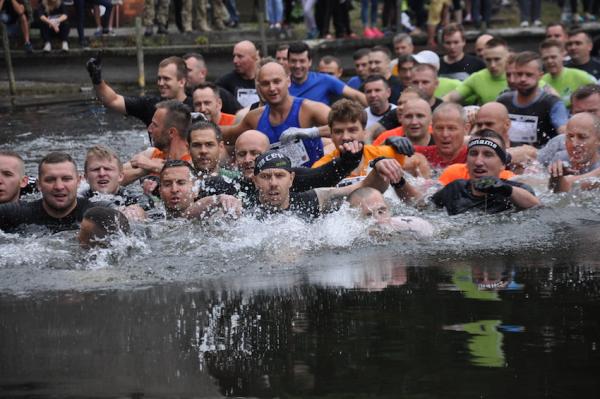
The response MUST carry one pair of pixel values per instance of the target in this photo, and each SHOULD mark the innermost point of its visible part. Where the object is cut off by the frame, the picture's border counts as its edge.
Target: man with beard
(536, 115)
(206, 150)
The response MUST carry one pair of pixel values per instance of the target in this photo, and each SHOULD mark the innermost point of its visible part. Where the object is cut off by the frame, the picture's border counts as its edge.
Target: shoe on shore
(47, 47)
(378, 34)
(525, 24)
(28, 48)
(368, 33)
(65, 46)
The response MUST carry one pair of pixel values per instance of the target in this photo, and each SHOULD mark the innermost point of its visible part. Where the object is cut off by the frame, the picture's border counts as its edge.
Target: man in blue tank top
(282, 112)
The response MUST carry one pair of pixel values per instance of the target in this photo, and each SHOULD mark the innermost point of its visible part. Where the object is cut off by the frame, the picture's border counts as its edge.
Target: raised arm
(107, 96)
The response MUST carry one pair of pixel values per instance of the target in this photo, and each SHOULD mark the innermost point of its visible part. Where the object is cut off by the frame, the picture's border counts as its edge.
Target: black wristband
(374, 161)
(400, 183)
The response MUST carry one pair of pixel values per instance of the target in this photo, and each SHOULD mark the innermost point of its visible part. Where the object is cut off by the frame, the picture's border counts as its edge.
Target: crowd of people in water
(461, 132)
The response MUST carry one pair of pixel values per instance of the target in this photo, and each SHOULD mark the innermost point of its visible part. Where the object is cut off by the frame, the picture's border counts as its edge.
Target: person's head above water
(272, 83)
(273, 179)
(172, 78)
(57, 181)
(486, 154)
(177, 181)
(206, 144)
(370, 203)
(582, 140)
(347, 120)
(494, 116)
(103, 170)
(416, 118)
(98, 224)
(248, 146)
(171, 122)
(12, 176)
(449, 128)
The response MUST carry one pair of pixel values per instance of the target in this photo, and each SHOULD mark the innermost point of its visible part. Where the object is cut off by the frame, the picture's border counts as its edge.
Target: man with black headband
(273, 177)
(485, 190)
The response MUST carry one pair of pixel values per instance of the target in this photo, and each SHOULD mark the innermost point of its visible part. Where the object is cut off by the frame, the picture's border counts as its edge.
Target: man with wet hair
(284, 117)
(361, 66)
(487, 84)
(196, 75)
(485, 190)
(378, 93)
(580, 161)
(315, 86)
(347, 121)
(172, 73)
(207, 149)
(241, 81)
(207, 101)
(537, 116)
(455, 64)
(177, 191)
(579, 47)
(564, 80)
(12, 176)
(99, 224)
(59, 208)
(169, 131)
(273, 178)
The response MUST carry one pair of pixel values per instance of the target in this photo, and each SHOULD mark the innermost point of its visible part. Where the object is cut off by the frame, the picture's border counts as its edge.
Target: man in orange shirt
(347, 121)
(207, 101)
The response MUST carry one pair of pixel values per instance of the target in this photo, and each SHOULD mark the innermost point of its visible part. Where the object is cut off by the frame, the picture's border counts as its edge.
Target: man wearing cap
(273, 177)
(484, 189)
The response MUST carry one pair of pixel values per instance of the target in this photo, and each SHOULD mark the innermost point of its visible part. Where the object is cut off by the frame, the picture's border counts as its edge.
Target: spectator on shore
(101, 26)
(241, 81)
(14, 12)
(53, 22)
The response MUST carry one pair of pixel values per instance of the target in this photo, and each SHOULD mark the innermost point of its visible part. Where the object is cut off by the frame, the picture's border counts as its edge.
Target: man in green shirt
(488, 83)
(564, 80)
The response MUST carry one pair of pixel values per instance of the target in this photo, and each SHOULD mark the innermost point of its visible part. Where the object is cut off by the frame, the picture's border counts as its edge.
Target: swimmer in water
(485, 190)
(99, 224)
(371, 204)
(12, 176)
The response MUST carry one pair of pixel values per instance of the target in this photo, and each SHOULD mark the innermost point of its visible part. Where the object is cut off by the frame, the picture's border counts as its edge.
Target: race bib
(247, 97)
(523, 128)
(294, 150)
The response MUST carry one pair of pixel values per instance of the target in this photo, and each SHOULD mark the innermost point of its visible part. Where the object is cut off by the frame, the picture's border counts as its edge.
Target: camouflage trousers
(162, 16)
(194, 13)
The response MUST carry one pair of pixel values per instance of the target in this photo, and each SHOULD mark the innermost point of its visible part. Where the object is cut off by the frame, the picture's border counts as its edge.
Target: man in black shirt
(12, 176)
(485, 191)
(59, 208)
(241, 81)
(172, 72)
(456, 64)
(579, 47)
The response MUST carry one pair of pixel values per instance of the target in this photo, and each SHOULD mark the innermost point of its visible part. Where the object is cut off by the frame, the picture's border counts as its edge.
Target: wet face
(247, 148)
(103, 175)
(527, 77)
(205, 150)
(300, 65)
(361, 66)
(582, 141)
(379, 63)
(556, 33)
(405, 72)
(426, 81)
(589, 104)
(403, 48)
(495, 59)
(552, 58)
(85, 235)
(196, 72)
(346, 132)
(12, 179)
(273, 187)
(579, 47)
(416, 119)
(483, 161)
(273, 83)
(448, 132)
(208, 103)
(493, 120)
(332, 69)
(454, 45)
(176, 189)
(168, 85)
(282, 57)
(58, 184)
(244, 59)
(374, 206)
(378, 95)
(158, 131)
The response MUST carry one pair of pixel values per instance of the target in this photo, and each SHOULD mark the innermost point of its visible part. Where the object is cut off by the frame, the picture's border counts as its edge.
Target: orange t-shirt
(158, 154)
(460, 171)
(226, 119)
(370, 152)
(398, 131)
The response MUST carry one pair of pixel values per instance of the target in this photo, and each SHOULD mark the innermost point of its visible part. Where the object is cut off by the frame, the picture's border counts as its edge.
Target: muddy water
(502, 306)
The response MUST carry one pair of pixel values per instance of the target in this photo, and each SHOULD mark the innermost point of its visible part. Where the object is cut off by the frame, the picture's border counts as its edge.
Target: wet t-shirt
(305, 205)
(143, 107)
(457, 198)
(243, 90)
(15, 214)
(120, 198)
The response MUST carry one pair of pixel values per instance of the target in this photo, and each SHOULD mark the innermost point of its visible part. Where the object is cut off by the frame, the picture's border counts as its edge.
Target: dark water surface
(496, 307)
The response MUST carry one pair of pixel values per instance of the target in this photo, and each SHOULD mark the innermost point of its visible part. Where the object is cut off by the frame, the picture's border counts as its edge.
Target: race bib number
(247, 97)
(523, 128)
(294, 150)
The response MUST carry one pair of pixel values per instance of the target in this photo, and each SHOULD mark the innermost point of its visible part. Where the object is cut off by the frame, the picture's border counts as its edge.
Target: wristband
(374, 161)
(400, 183)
